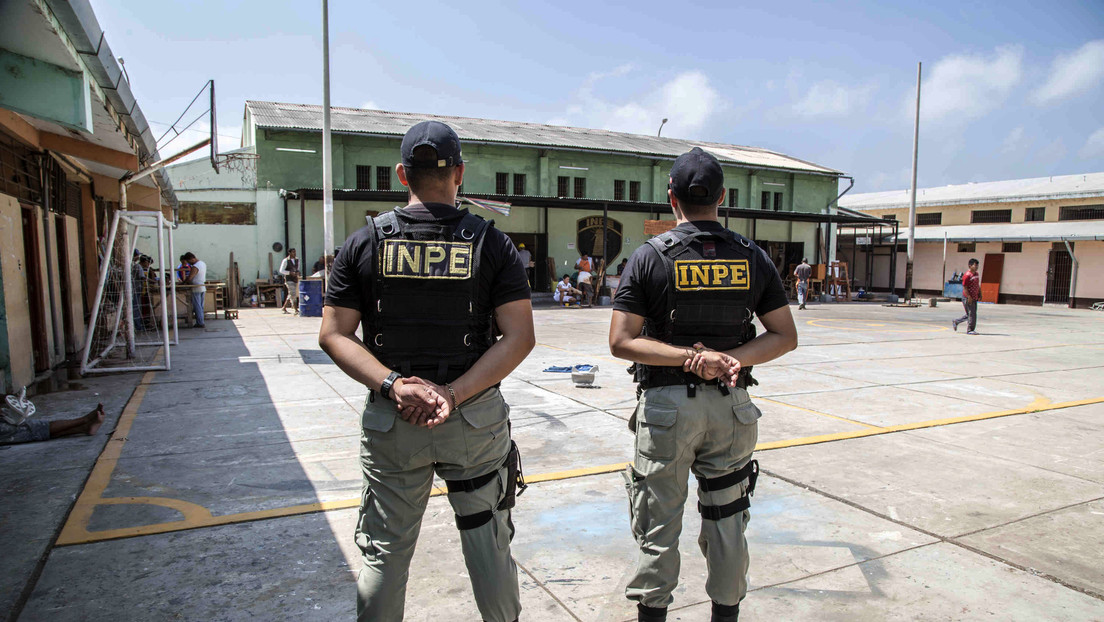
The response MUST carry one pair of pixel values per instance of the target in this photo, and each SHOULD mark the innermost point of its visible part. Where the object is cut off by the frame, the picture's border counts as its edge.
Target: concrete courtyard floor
(909, 473)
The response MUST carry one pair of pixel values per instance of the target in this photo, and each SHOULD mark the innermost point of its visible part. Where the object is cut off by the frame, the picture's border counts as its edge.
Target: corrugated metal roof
(379, 122)
(1037, 189)
(1073, 231)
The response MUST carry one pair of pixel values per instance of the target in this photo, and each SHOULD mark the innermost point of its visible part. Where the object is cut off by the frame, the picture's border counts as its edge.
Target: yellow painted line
(817, 412)
(77, 525)
(1039, 405)
(880, 326)
(196, 516)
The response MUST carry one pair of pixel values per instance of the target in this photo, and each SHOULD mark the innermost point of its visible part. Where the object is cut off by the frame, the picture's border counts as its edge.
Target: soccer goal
(134, 319)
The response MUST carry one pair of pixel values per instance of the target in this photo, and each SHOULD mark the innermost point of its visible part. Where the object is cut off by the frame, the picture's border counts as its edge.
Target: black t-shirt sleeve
(509, 281)
(773, 295)
(643, 287)
(347, 286)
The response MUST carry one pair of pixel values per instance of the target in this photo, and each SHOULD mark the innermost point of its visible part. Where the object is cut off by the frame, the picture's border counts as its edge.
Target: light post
(660, 127)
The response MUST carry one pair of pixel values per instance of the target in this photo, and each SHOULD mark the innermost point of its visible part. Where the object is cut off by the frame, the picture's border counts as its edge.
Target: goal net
(133, 319)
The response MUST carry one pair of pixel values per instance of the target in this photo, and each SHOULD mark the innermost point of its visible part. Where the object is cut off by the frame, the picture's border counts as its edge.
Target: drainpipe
(829, 239)
(1073, 275)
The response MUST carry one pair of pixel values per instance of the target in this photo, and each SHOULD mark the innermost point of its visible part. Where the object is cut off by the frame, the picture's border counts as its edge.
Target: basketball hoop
(241, 162)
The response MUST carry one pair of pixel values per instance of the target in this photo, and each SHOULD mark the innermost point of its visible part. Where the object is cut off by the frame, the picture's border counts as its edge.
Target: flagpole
(327, 147)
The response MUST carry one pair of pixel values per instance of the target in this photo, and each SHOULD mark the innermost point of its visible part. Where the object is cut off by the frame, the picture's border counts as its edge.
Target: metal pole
(1073, 275)
(128, 285)
(912, 200)
(893, 259)
(944, 281)
(99, 294)
(303, 225)
(161, 225)
(327, 145)
(172, 276)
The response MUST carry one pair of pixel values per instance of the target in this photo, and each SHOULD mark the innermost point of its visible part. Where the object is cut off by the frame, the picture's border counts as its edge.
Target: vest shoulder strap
(386, 225)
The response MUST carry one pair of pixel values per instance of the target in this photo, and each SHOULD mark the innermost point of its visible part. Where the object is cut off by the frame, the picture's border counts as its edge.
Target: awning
(1066, 230)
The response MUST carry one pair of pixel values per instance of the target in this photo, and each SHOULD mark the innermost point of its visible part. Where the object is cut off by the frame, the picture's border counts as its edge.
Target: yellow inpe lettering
(720, 273)
(698, 275)
(458, 262)
(739, 274)
(434, 255)
(408, 256)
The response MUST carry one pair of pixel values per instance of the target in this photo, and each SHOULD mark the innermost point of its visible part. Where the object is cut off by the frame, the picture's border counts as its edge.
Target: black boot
(650, 614)
(725, 613)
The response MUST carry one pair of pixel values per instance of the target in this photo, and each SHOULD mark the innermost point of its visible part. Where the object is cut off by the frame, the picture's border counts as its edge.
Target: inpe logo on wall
(588, 238)
(413, 259)
(695, 275)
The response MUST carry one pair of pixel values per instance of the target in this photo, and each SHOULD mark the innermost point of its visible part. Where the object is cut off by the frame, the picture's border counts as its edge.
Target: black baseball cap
(697, 178)
(434, 134)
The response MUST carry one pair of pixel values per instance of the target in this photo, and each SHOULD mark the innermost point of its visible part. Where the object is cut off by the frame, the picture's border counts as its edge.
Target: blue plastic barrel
(310, 297)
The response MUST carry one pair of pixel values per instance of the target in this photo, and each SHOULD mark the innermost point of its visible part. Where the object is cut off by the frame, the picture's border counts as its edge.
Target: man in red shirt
(971, 292)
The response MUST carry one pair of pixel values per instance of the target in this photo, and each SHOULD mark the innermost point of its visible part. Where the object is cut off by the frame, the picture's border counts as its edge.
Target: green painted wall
(5, 354)
(280, 168)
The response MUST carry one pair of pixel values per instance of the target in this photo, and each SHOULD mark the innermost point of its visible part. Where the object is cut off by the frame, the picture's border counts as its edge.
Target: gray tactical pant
(709, 435)
(398, 461)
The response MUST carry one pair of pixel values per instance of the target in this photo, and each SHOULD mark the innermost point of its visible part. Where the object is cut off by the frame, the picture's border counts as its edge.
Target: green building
(563, 183)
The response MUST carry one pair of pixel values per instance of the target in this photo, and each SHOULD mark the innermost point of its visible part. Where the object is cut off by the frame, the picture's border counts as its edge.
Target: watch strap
(385, 388)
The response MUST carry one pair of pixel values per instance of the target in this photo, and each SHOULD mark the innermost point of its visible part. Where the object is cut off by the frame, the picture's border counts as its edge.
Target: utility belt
(651, 376)
(515, 485)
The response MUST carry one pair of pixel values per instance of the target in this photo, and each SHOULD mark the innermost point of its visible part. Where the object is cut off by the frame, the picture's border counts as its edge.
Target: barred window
(765, 200)
(930, 218)
(383, 178)
(1012, 247)
(580, 187)
(1081, 212)
(619, 190)
(991, 215)
(733, 197)
(563, 186)
(363, 177)
(967, 247)
(519, 184)
(634, 190)
(778, 201)
(502, 180)
(1035, 214)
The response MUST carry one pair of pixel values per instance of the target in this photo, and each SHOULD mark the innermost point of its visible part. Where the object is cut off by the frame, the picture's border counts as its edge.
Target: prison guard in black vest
(711, 298)
(424, 322)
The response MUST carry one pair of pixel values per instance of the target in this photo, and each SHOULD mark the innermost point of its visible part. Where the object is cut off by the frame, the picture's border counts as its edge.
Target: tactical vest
(424, 322)
(711, 297)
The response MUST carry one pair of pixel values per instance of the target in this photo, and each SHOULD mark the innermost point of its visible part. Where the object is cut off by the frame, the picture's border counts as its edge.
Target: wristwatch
(385, 388)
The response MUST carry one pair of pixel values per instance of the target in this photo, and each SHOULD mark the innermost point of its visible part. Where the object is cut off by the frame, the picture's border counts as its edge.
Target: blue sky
(1011, 89)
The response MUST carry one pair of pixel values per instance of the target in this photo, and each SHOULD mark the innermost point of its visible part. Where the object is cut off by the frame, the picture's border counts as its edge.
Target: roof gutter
(83, 30)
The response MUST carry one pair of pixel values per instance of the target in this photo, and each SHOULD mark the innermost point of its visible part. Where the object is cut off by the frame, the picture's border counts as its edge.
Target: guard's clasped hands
(709, 364)
(421, 402)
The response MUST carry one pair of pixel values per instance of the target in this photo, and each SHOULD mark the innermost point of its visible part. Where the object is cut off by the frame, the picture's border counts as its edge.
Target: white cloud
(1094, 146)
(830, 99)
(1014, 141)
(963, 87)
(1072, 74)
(370, 105)
(688, 101)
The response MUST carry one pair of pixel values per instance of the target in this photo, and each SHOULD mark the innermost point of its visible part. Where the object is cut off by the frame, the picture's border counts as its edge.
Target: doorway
(39, 346)
(991, 277)
(537, 245)
(1059, 268)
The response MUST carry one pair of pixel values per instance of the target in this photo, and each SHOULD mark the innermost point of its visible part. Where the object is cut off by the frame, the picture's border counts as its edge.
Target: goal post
(128, 330)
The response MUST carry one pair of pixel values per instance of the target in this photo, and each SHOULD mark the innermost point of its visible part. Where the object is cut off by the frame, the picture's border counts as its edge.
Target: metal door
(1058, 274)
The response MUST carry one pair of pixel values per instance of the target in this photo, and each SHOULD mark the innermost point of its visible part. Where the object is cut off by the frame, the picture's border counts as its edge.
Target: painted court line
(196, 516)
